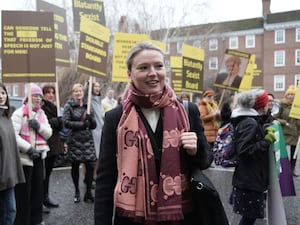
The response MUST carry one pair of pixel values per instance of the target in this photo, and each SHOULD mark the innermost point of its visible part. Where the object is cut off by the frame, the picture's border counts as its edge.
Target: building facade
(273, 38)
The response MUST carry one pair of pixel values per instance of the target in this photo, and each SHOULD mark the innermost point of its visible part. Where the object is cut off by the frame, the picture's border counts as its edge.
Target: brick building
(274, 38)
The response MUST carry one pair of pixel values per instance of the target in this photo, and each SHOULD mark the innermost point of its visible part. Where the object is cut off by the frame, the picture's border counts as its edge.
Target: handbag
(61, 159)
(208, 204)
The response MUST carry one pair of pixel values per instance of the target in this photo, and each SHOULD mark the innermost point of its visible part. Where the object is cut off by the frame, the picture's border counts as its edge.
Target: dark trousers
(247, 221)
(49, 163)
(88, 177)
(29, 195)
(292, 152)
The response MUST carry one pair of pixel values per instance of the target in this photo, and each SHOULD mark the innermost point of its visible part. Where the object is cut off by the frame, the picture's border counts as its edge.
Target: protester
(269, 116)
(290, 126)
(55, 143)
(32, 131)
(147, 144)
(185, 96)
(252, 144)
(96, 106)
(11, 172)
(210, 115)
(80, 142)
(109, 102)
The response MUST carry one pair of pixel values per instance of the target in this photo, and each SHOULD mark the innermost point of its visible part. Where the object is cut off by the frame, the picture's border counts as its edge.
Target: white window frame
(167, 48)
(213, 44)
(279, 58)
(15, 90)
(297, 34)
(297, 57)
(297, 81)
(213, 63)
(179, 46)
(167, 65)
(8, 89)
(250, 41)
(233, 42)
(279, 82)
(279, 36)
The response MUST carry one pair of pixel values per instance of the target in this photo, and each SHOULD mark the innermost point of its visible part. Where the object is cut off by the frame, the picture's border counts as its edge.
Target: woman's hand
(189, 142)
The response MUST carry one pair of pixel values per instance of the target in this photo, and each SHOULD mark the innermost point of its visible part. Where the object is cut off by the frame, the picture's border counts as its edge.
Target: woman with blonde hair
(290, 126)
(80, 142)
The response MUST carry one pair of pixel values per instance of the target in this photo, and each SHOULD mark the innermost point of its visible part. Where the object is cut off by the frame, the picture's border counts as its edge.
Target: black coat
(55, 143)
(252, 170)
(107, 170)
(80, 140)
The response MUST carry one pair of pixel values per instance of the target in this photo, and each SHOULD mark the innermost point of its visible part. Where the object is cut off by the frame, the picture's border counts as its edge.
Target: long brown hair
(7, 111)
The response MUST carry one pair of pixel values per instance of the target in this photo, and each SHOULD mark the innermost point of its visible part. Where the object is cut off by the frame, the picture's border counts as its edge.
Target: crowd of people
(138, 151)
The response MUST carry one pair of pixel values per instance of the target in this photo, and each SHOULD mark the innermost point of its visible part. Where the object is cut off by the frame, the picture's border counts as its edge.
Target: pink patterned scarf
(139, 194)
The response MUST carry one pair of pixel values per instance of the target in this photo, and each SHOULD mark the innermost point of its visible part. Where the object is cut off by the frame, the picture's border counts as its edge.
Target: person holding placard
(80, 141)
(55, 143)
(290, 126)
(32, 131)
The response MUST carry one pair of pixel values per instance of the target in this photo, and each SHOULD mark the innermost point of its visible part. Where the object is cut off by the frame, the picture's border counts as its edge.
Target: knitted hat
(208, 93)
(261, 101)
(35, 90)
(290, 90)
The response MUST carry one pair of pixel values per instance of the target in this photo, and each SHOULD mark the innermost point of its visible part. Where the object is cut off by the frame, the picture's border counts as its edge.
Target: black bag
(61, 159)
(209, 207)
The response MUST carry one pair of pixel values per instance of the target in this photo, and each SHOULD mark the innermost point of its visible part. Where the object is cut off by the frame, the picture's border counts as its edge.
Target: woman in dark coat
(80, 142)
(252, 145)
(148, 149)
(54, 142)
(11, 171)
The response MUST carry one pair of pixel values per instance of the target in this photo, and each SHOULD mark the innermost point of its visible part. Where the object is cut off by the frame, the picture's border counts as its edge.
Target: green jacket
(290, 126)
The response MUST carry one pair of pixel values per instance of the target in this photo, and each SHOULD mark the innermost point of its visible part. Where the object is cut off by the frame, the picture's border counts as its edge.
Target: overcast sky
(216, 11)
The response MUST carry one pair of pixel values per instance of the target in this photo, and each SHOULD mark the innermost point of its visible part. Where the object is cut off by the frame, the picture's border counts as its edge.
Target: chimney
(266, 8)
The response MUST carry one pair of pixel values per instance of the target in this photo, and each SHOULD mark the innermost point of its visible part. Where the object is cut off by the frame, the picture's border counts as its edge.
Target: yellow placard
(160, 44)
(247, 79)
(295, 110)
(122, 44)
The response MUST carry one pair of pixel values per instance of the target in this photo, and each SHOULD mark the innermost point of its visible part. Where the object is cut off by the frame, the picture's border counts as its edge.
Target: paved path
(69, 213)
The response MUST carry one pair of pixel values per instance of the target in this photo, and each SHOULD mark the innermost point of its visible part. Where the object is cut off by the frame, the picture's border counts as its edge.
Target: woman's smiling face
(148, 71)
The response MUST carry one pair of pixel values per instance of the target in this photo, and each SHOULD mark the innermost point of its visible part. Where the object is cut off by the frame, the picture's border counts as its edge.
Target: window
(213, 44)
(167, 48)
(279, 83)
(8, 89)
(297, 81)
(279, 36)
(297, 57)
(213, 63)
(197, 44)
(250, 41)
(179, 47)
(15, 90)
(279, 58)
(233, 42)
(167, 65)
(298, 34)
